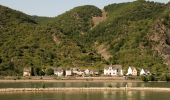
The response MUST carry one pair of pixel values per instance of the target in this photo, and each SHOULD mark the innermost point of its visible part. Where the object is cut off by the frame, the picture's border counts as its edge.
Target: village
(107, 71)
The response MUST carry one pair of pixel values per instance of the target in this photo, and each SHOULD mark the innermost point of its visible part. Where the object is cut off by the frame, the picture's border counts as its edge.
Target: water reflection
(129, 95)
(105, 95)
(83, 84)
(142, 95)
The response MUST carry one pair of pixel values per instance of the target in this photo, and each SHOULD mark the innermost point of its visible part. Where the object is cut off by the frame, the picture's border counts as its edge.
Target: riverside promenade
(84, 89)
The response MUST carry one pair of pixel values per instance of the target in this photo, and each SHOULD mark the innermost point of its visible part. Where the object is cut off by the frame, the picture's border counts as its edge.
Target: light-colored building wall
(114, 70)
(68, 72)
(59, 73)
(132, 71)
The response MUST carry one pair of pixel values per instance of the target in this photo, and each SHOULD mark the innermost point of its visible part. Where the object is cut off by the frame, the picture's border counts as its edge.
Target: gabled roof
(146, 70)
(133, 68)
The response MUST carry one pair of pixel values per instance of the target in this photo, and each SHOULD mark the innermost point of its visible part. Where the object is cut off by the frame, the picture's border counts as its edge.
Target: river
(81, 84)
(115, 95)
(91, 95)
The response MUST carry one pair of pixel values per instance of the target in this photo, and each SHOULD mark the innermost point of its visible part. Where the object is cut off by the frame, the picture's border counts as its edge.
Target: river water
(82, 84)
(115, 95)
(72, 95)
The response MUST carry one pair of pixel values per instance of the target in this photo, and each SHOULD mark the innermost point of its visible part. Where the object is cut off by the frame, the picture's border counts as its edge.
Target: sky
(53, 8)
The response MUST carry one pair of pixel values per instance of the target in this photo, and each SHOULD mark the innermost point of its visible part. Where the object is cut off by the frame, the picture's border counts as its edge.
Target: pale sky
(53, 8)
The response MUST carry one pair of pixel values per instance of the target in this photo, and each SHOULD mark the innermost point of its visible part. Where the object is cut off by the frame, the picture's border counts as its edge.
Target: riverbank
(66, 79)
(91, 89)
(25, 81)
(14, 79)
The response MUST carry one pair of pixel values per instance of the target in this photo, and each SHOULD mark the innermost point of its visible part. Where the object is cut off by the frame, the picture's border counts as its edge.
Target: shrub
(49, 71)
(165, 77)
(41, 73)
(144, 78)
(151, 78)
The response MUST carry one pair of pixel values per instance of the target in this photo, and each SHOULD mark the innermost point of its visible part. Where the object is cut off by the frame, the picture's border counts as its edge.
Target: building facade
(113, 70)
(132, 71)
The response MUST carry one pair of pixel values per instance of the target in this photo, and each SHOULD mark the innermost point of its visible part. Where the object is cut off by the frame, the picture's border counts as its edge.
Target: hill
(131, 34)
(127, 35)
(30, 41)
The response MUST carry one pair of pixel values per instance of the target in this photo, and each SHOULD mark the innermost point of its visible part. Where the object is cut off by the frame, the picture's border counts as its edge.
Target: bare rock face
(160, 36)
(56, 39)
(99, 19)
(102, 49)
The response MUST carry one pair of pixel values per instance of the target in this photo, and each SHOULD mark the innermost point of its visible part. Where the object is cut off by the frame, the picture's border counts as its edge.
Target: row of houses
(75, 72)
(109, 70)
(116, 70)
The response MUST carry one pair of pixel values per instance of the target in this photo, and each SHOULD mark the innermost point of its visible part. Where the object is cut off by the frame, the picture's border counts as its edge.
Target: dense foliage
(126, 31)
(39, 42)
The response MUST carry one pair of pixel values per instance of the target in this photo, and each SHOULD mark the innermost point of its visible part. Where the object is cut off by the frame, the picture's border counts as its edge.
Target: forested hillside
(127, 32)
(31, 41)
(132, 34)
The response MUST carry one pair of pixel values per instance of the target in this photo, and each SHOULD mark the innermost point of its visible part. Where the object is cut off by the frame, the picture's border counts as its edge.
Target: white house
(113, 70)
(91, 72)
(75, 71)
(80, 73)
(87, 72)
(148, 72)
(109, 71)
(27, 72)
(144, 72)
(68, 72)
(59, 72)
(132, 71)
(96, 72)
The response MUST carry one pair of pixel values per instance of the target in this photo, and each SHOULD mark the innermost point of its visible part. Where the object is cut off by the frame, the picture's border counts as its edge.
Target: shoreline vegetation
(83, 89)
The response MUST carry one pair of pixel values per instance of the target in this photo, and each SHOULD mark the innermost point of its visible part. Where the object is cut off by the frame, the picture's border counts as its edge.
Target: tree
(144, 78)
(41, 73)
(0, 60)
(165, 77)
(151, 78)
(49, 71)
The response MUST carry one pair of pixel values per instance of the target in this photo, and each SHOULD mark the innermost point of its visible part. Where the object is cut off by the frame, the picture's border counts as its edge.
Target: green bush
(165, 77)
(151, 78)
(144, 78)
(49, 71)
(41, 73)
